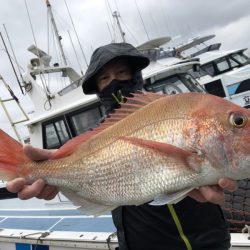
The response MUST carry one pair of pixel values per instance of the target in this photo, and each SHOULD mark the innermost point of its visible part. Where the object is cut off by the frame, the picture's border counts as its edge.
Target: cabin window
(56, 134)
(60, 129)
(215, 88)
(242, 59)
(83, 121)
(208, 68)
(222, 65)
(239, 87)
(52, 140)
(233, 63)
(161, 86)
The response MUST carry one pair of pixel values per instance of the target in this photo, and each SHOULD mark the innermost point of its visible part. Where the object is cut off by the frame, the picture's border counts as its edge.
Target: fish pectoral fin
(86, 206)
(191, 159)
(173, 198)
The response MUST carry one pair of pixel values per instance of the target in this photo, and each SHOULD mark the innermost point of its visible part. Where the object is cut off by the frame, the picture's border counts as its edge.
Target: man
(114, 72)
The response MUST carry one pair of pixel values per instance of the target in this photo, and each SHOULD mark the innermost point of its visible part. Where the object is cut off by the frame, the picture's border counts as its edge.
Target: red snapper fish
(155, 149)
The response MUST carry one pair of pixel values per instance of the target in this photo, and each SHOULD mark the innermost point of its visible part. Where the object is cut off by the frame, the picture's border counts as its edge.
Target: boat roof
(168, 66)
(154, 43)
(213, 55)
(193, 42)
(88, 99)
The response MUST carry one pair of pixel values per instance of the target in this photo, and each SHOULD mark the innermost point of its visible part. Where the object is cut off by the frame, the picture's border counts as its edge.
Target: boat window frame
(52, 122)
(79, 111)
(222, 92)
(67, 122)
(227, 58)
(149, 86)
(243, 56)
(203, 69)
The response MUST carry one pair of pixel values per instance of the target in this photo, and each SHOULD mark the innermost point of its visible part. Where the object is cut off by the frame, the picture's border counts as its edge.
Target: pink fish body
(154, 149)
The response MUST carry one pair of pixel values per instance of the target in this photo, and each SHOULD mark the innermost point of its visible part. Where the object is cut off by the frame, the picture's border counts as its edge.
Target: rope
(179, 227)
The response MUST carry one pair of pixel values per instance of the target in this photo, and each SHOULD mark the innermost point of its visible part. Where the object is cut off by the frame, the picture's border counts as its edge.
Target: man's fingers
(48, 193)
(33, 190)
(196, 195)
(37, 154)
(16, 185)
(213, 194)
(228, 185)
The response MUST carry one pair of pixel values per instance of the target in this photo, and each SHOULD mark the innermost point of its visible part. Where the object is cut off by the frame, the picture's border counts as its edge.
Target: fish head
(223, 130)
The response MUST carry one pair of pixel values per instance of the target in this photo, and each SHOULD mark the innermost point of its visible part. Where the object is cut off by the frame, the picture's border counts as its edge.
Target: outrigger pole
(6, 49)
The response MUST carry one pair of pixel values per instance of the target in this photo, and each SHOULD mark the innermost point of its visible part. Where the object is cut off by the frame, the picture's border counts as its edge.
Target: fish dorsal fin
(137, 101)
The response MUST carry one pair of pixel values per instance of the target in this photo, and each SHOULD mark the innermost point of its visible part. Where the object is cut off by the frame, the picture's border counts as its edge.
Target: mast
(116, 15)
(58, 37)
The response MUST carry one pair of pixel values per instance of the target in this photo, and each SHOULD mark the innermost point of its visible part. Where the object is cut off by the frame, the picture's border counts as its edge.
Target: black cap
(101, 56)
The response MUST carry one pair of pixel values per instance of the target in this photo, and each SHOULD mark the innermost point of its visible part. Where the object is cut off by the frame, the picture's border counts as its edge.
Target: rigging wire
(137, 7)
(18, 65)
(14, 55)
(116, 33)
(165, 17)
(48, 33)
(110, 15)
(155, 27)
(83, 54)
(47, 92)
(32, 30)
(77, 59)
(116, 6)
(127, 28)
(109, 31)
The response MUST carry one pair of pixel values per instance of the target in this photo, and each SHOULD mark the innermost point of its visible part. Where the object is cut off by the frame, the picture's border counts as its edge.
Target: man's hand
(37, 189)
(215, 193)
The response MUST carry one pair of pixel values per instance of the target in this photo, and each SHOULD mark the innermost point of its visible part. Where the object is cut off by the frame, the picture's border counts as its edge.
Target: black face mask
(112, 95)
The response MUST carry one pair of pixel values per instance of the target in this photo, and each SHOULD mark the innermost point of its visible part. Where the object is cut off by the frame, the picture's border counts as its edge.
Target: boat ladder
(13, 98)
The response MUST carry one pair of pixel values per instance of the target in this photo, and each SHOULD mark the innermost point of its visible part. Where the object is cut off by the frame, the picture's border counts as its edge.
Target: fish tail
(12, 158)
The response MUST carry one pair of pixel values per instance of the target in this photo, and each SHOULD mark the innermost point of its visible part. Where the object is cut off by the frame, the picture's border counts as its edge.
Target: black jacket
(201, 226)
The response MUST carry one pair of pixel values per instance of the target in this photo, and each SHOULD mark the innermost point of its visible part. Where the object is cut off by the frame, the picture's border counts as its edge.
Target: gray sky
(227, 19)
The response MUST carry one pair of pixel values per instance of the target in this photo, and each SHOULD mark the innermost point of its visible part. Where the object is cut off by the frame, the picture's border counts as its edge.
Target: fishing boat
(225, 73)
(61, 114)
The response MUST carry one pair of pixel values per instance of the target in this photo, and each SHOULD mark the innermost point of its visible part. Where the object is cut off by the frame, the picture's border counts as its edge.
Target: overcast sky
(140, 19)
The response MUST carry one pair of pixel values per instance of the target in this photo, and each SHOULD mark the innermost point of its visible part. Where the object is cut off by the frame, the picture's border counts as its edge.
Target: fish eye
(238, 120)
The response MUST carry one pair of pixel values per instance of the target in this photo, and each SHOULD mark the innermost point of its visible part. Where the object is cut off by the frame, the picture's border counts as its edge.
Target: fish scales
(113, 160)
